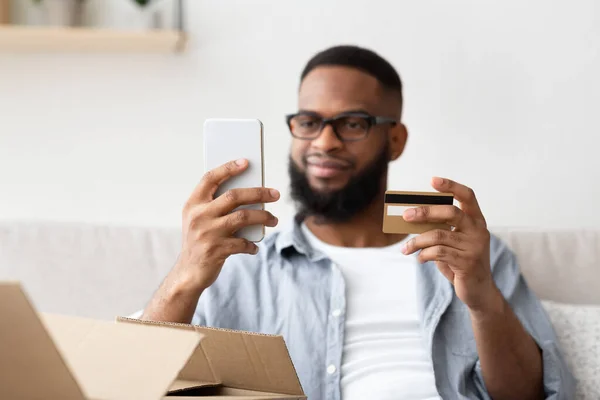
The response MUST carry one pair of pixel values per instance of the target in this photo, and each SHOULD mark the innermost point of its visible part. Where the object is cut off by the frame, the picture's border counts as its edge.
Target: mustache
(318, 157)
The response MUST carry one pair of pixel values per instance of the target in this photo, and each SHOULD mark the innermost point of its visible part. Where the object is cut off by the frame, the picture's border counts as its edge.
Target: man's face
(327, 173)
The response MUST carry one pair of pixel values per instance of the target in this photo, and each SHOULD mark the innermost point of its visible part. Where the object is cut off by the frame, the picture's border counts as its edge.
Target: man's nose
(327, 141)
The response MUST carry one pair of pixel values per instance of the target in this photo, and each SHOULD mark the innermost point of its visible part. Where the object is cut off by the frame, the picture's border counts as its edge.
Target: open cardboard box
(44, 356)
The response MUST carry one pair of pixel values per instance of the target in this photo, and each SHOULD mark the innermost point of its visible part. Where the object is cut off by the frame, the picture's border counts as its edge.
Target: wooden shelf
(27, 39)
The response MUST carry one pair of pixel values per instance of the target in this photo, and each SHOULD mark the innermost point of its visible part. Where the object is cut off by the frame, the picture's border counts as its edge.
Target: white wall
(502, 95)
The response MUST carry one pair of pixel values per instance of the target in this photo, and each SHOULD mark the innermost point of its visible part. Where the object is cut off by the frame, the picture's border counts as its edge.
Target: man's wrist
(492, 304)
(176, 299)
(183, 282)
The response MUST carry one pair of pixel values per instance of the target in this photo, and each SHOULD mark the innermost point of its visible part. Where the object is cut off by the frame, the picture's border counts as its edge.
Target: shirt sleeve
(199, 317)
(231, 300)
(559, 383)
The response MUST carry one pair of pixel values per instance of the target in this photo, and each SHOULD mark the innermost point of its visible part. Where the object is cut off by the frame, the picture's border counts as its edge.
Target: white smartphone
(227, 140)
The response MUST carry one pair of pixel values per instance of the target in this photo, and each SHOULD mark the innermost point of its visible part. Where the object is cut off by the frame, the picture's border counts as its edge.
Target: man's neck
(363, 230)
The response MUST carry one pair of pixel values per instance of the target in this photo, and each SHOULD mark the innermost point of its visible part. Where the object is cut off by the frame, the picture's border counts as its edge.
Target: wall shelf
(68, 39)
(23, 39)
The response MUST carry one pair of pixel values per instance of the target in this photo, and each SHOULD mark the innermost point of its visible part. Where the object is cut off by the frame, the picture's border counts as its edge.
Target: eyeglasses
(348, 127)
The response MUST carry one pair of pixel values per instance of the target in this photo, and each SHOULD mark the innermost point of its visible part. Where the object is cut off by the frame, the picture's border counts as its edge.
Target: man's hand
(209, 224)
(463, 254)
(511, 361)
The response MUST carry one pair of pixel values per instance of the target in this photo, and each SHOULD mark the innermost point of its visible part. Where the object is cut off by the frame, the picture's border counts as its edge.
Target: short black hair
(359, 58)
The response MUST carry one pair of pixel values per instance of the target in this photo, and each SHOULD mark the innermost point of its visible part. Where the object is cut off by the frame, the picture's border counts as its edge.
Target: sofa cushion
(558, 265)
(100, 271)
(578, 331)
(87, 270)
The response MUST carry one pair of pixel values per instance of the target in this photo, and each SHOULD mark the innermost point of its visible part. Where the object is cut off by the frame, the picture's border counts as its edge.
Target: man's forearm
(511, 361)
(174, 301)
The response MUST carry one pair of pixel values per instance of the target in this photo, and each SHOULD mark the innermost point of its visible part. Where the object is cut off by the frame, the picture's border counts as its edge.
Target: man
(364, 314)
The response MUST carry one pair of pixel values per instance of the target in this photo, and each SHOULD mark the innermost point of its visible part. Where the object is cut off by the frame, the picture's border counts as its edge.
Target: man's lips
(325, 168)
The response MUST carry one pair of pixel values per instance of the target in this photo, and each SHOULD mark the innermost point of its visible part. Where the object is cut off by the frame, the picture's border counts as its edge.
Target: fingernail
(275, 221)
(274, 193)
(404, 249)
(438, 181)
(241, 162)
(255, 250)
(409, 214)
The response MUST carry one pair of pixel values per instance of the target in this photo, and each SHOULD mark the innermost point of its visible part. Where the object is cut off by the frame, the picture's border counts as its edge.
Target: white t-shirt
(384, 353)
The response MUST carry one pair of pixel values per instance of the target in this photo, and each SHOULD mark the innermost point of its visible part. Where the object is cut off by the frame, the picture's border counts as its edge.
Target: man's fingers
(210, 182)
(465, 195)
(450, 215)
(436, 237)
(441, 253)
(238, 246)
(234, 198)
(239, 219)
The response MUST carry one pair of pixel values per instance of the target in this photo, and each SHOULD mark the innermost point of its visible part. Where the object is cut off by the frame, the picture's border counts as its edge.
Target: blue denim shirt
(292, 290)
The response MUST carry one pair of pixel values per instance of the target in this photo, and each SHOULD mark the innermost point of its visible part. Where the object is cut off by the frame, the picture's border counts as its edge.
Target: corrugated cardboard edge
(296, 391)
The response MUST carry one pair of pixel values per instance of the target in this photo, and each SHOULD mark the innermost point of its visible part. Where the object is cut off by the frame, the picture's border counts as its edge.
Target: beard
(340, 205)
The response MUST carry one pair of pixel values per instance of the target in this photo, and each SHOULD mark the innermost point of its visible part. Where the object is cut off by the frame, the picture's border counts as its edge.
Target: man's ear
(397, 138)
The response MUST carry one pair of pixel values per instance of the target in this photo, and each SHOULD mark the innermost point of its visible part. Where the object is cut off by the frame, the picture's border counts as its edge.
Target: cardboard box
(46, 356)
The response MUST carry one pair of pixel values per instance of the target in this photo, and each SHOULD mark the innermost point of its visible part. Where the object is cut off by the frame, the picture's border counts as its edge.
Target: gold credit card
(398, 202)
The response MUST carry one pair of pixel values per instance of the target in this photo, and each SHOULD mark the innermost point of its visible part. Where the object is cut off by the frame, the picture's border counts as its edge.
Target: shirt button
(336, 313)
(331, 369)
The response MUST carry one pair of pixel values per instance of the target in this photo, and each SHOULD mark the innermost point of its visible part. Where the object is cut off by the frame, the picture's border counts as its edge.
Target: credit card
(398, 202)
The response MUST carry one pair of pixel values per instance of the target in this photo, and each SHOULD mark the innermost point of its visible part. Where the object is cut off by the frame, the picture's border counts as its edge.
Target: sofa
(104, 271)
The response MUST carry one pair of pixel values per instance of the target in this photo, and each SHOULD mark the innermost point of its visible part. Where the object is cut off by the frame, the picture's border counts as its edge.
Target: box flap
(197, 371)
(251, 361)
(222, 393)
(181, 385)
(238, 397)
(118, 361)
(30, 365)
(245, 360)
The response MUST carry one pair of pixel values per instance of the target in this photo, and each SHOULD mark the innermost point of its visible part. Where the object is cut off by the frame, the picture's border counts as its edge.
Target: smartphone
(227, 140)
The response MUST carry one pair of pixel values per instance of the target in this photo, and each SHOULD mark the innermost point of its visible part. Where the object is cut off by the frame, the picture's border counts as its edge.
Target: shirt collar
(293, 238)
